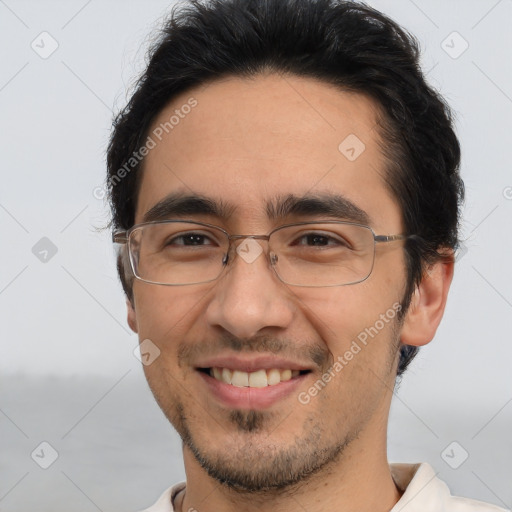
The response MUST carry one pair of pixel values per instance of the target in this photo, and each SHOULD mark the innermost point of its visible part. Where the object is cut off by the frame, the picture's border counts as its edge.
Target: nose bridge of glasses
(243, 237)
(248, 248)
(245, 243)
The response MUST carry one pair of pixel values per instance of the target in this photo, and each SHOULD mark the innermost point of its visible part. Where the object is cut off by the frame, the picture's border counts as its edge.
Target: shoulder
(423, 491)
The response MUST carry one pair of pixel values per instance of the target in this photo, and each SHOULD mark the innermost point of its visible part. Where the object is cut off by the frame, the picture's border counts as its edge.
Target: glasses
(311, 254)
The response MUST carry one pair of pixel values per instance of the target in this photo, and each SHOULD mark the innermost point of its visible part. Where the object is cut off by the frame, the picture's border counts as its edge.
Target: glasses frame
(123, 237)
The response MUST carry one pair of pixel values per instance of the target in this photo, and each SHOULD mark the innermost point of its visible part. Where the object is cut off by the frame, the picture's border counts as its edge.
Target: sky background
(67, 352)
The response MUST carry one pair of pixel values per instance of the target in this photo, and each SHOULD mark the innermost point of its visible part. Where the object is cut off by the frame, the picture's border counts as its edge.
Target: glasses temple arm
(119, 237)
(390, 238)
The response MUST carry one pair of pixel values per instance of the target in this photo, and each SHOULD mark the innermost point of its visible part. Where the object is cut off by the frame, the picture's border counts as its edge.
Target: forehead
(245, 141)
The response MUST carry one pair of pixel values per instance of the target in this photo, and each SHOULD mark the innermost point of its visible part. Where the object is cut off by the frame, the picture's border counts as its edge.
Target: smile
(256, 379)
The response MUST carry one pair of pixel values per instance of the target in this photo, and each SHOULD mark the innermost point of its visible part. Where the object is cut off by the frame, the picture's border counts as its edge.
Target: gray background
(68, 375)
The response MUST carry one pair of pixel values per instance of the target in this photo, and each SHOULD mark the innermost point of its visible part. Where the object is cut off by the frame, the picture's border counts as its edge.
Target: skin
(245, 142)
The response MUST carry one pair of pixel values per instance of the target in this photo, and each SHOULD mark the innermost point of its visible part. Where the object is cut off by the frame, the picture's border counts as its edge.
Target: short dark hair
(344, 43)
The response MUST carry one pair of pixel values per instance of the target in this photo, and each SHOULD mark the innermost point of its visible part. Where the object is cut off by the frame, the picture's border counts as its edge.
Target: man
(286, 194)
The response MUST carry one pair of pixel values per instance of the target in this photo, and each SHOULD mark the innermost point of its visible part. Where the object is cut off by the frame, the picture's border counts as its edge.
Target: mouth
(261, 378)
(251, 384)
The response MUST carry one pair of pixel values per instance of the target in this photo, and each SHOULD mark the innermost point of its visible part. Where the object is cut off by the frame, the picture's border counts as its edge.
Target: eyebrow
(178, 204)
(331, 205)
(278, 208)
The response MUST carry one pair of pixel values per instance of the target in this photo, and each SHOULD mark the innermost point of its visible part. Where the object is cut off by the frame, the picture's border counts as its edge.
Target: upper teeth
(257, 379)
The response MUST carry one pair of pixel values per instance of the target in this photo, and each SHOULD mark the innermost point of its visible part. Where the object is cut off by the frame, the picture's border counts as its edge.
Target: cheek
(164, 313)
(165, 316)
(345, 311)
(358, 326)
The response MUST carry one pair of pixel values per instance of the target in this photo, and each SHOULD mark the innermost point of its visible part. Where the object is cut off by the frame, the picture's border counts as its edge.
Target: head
(247, 104)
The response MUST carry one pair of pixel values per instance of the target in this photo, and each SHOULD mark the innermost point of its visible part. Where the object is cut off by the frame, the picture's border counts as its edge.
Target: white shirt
(423, 492)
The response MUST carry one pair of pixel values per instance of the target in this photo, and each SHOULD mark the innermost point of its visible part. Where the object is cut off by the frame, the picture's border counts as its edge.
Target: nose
(248, 297)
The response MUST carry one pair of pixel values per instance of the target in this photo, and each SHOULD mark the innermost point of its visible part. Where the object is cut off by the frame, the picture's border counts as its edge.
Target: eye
(320, 240)
(191, 239)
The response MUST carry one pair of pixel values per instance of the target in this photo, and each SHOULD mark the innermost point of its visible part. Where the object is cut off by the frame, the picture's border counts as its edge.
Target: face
(247, 144)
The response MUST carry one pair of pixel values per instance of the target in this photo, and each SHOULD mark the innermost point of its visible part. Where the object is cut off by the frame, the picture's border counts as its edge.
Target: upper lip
(251, 364)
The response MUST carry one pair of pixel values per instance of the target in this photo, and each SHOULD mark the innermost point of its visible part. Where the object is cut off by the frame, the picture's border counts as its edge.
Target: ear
(427, 303)
(132, 316)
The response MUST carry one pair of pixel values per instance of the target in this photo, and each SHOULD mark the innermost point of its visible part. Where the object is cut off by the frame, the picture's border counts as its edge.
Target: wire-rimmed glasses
(311, 254)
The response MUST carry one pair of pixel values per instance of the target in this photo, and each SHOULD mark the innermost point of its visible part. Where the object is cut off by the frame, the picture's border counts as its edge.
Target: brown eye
(319, 240)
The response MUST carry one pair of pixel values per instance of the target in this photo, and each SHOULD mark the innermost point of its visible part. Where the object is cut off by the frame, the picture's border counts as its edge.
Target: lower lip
(251, 398)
